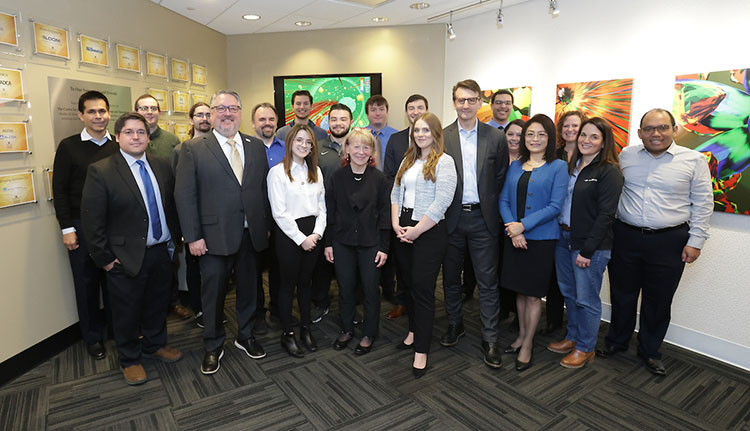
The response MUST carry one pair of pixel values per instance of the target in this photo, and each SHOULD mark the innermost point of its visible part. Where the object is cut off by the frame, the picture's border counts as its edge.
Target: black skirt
(528, 272)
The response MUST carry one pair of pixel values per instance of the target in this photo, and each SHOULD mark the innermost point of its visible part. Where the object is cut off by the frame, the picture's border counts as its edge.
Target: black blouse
(358, 208)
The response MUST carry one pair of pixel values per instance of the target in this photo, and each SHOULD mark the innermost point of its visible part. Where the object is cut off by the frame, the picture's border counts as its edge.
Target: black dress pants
(649, 264)
(421, 263)
(267, 259)
(323, 273)
(139, 305)
(350, 262)
(193, 280)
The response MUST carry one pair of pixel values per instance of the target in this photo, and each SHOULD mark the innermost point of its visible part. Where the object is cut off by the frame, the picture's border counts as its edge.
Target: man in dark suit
(473, 219)
(222, 201)
(129, 217)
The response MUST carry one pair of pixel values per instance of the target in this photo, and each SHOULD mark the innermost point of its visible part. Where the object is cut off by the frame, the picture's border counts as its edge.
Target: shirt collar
(296, 165)
(672, 150)
(468, 131)
(131, 160)
(85, 136)
(223, 139)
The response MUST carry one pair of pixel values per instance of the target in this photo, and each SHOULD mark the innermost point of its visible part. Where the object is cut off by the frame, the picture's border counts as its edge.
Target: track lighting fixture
(500, 14)
(554, 8)
(451, 32)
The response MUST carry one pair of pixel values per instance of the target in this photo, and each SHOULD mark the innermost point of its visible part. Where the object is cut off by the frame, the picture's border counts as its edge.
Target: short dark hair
(263, 105)
(671, 117)
(302, 93)
(468, 84)
(91, 95)
(196, 106)
(376, 100)
(549, 127)
(414, 98)
(517, 122)
(145, 96)
(120, 123)
(503, 91)
(340, 107)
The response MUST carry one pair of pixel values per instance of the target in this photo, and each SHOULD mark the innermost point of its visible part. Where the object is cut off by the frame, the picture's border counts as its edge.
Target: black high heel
(307, 339)
(521, 366)
(419, 372)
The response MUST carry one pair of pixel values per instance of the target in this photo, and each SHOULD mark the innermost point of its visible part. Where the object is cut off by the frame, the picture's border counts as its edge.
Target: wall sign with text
(17, 189)
(156, 64)
(51, 40)
(128, 58)
(11, 85)
(179, 70)
(94, 51)
(8, 29)
(13, 138)
(199, 74)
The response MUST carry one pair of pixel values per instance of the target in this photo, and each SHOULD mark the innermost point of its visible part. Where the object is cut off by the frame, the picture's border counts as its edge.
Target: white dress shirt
(469, 161)
(291, 200)
(667, 190)
(410, 183)
(227, 149)
(136, 170)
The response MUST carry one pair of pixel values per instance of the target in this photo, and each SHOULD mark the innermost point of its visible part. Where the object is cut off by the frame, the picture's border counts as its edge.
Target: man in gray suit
(473, 219)
(222, 201)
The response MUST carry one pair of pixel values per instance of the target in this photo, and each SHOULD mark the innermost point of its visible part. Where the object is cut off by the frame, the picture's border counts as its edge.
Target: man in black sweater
(74, 155)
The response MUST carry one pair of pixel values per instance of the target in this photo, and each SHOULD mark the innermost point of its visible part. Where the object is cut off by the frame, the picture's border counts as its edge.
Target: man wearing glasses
(162, 142)
(662, 223)
(222, 200)
(473, 219)
(502, 106)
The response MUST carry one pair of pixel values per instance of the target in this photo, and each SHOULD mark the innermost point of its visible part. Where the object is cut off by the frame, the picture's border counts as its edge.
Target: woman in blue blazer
(530, 203)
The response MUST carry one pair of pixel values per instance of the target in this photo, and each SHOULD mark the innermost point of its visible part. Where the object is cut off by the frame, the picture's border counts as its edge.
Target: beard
(339, 135)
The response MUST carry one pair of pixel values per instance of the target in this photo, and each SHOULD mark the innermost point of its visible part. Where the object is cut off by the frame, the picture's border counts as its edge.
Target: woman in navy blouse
(530, 202)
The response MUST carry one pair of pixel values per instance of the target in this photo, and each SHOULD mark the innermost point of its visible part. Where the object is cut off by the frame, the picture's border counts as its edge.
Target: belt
(565, 227)
(157, 245)
(645, 230)
(407, 210)
(470, 207)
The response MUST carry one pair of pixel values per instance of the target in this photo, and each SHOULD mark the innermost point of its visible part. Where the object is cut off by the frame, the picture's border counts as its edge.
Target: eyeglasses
(471, 100)
(502, 103)
(148, 108)
(231, 108)
(205, 115)
(303, 142)
(129, 132)
(651, 129)
(532, 135)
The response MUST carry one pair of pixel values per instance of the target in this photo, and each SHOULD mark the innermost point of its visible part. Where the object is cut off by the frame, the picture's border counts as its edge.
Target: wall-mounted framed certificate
(180, 101)
(182, 131)
(48, 177)
(156, 64)
(200, 98)
(163, 124)
(11, 85)
(94, 51)
(17, 189)
(13, 138)
(199, 74)
(51, 40)
(8, 29)
(179, 70)
(160, 96)
(128, 58)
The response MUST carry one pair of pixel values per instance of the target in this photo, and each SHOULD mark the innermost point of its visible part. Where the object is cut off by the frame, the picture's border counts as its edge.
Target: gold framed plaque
(199, 74)
(51, 40)
(163, 124)
(182, 131)
(156, 64)
(94, 51)
(180, 101)
(160, 96)
(13, 138)
(200, 98)
(48, 176)
(17, 189)
(128, 58)
(11, 85)
(179, 70)
(8, 30)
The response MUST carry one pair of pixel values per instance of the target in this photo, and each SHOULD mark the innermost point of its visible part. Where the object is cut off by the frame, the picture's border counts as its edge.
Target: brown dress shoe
(397, 312)
(564, 346)
(181, 312)
(165, 354)
(577, 359)
(134, 375)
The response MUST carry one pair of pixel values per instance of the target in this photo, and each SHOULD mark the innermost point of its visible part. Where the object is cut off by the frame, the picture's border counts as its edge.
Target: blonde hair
(363, 136)
(436, 149)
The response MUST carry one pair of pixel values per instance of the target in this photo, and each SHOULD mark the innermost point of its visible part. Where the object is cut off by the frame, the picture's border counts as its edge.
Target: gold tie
(236, 160)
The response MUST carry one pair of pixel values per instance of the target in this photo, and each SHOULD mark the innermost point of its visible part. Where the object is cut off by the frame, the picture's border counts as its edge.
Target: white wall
(650, 41)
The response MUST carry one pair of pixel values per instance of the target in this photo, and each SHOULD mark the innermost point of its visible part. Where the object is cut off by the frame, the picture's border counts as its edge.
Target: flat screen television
(351, 89)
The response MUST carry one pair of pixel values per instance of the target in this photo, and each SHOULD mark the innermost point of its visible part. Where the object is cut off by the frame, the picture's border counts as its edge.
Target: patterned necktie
(236, 160)
(379, 149)
(153, 208)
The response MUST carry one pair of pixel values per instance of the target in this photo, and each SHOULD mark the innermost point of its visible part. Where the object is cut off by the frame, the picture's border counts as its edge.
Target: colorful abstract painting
(712, 110)
(607, 99)
(521, 104)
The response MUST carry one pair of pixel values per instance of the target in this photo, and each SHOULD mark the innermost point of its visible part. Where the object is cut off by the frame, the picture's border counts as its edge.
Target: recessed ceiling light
(251, 17)
(303, 23)
(419, 5)
(380, 19)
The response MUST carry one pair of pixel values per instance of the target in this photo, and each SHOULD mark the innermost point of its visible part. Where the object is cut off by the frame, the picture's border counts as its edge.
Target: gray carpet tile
(157, 420)
(74, 363)
(402, 414)
(24, 409)
(566, 422)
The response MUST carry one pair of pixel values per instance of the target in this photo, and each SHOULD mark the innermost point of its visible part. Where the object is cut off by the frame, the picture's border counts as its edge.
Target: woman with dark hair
(297, 197)
(530, 202)
(422, 191)
(359, 222)
(513, 135)
(586, 237)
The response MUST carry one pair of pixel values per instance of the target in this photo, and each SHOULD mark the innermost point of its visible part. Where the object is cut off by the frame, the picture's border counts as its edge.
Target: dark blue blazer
(545, 196)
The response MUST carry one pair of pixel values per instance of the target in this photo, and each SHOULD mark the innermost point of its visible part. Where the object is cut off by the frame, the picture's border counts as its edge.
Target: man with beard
(329, 160)
(302, 102)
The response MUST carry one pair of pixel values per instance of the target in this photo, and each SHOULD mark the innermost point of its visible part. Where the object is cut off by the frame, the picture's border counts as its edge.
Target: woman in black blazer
(358, 236)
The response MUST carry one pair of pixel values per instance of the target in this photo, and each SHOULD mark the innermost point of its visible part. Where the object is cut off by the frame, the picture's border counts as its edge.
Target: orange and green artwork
(521, 104)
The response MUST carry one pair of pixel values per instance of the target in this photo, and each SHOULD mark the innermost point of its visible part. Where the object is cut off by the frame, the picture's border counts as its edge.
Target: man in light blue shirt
(376, 109)
(502, 106)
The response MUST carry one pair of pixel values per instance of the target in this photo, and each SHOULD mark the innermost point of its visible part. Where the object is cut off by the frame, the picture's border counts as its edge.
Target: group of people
(533, 208)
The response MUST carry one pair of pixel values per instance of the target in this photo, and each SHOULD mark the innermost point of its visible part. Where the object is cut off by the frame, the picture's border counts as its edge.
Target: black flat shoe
(655, 366)
(307, 340)
(363, 350)
(607, 351)
(97, 350)
(511, 350)
(341, 345)
(289, 343)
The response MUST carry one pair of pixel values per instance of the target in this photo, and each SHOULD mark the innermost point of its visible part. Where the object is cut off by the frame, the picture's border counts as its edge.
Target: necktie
(153, 208)
(501, 128)
(379, 149)
(236, 160)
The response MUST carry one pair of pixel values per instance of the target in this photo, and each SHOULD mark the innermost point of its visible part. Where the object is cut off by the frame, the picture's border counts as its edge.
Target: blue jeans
(580, 288)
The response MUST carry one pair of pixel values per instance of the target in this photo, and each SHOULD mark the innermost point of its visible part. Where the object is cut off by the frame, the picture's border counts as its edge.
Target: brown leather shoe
(577, 359)
(165, 354)
(397, 312)
(181, 312)
(564, 346)
(134, 375)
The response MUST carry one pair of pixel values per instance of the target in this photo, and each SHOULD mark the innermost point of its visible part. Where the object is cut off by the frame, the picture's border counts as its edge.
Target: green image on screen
(352, 91)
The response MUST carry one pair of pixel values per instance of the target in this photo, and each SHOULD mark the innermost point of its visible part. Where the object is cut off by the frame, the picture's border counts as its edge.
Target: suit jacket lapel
(160, 180)
(453, 145)
(122, 168)
(213, 145)
(482, 145)
(246, 143)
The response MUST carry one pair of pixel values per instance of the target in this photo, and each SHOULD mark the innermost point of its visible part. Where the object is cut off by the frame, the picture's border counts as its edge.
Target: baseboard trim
(38, 353)
(698, 342)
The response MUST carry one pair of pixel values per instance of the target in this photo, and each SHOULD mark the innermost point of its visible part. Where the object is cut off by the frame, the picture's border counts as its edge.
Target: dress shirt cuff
(68, 230)
(696, 242)
(299, 237)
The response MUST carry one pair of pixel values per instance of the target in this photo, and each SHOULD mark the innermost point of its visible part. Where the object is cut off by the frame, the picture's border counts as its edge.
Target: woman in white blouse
(297, 196)
(423, 190)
